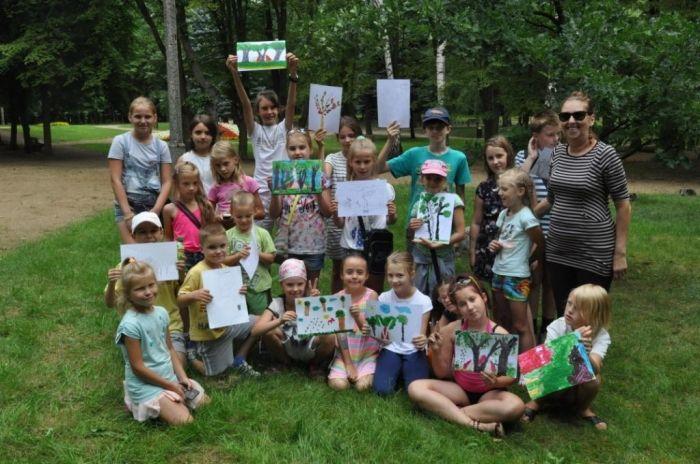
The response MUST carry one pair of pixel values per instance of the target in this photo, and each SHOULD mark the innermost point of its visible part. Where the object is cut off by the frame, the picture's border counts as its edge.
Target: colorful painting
(261, 56)
(486, 352)
(324, 107)
(323, 315)
(436, 210)
(297, 176)
(556, 365)
(398, 323)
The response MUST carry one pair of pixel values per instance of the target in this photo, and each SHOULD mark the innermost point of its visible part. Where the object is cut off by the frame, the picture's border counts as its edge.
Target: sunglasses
(467, 281)
(578, 115)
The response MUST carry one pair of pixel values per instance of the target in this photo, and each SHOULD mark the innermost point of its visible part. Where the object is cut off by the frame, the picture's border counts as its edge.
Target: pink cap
(292, 268)
(433, 166)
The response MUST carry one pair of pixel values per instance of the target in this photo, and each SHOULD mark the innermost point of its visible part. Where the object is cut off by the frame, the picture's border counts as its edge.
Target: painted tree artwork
(486, 352)
(558, 364)
(323, 315)
(324, 107)
(436, 211)
(398, 323)
(296, 176)
(261, 56)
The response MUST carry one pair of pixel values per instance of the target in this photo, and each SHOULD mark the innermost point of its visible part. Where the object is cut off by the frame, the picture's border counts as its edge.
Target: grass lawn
(61, 374)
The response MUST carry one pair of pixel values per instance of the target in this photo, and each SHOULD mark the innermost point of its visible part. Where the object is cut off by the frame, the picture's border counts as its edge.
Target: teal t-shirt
(410, 162)
(262, 280)
(150, 329)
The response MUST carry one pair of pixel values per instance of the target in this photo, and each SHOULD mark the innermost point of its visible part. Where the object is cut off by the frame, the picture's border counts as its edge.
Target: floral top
(301, 227)
(487, 191)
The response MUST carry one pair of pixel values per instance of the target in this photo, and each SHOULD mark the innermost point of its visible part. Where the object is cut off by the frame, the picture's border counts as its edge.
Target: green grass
(60, 373)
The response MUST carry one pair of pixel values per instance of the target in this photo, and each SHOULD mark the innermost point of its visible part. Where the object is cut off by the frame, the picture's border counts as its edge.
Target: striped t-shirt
(581, 230)
(339, 164)
(540, 191)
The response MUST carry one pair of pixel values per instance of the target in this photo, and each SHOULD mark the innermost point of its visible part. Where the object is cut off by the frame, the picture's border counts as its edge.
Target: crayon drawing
(298, 176)
(323, 315)
(362, 198)
(261, 56)
(486, 352)
(324, 107)
(435, 209)
(556, 365)
(398, 323)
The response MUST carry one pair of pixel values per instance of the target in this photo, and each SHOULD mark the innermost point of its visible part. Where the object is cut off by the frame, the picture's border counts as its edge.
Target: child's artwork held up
(297, 176)
(362, 198)
(556, 365)
(261, 56)
(436, 211)
(495, 354)
(323, 315)
(398, 323)
(324, 107)
(161, 256)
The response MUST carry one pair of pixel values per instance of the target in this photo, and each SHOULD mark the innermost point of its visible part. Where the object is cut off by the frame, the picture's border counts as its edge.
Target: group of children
(219, 214)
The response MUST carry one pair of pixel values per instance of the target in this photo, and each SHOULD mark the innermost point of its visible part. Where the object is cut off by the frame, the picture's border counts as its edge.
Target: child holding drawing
(474, 399)
(301, 229)
(278, 327)
(588, 311)
(435, 259)
(268, 135)
(400, 359)
(241, 239)
(214, 346)
(355, 354)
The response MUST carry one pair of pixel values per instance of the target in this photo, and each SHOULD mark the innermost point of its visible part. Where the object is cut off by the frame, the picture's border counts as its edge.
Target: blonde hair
(219, 151)
(594, 304)
(402, 258)
(142, 101)
(242, 198)
(360, 144)
(132, 270)
(187, 168)
(520, 179)
(211, 230)
(499, 141)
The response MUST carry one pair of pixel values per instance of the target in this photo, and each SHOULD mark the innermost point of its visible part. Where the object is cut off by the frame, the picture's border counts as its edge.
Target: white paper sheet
(362, 198)
(394, 102)
(398, 323)
(162, 257)
(228, 306)
(250, 263)
(436, 211)
(324, 107)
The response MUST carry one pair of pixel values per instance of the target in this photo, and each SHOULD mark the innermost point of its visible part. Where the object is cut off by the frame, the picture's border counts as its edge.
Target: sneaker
(246, 370)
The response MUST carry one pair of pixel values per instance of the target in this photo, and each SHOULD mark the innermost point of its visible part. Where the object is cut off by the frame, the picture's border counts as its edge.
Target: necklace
(269, 140)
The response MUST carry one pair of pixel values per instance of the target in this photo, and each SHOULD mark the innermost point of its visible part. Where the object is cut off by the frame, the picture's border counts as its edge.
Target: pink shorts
(151, 409)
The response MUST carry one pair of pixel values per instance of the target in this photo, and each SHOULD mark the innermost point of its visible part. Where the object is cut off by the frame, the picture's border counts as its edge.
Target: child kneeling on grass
(214, 346)
(155, 384)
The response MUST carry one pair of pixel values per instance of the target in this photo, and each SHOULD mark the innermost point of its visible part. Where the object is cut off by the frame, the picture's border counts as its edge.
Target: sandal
(529, 415)
(596, 422)
(497, 432)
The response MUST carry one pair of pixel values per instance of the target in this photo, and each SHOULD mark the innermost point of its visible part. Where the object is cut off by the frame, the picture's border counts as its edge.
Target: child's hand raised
(495, 246)
(114, 274)
(393, 131)
(232, 63)
(202, 295)
(313, 288)
(420, 341)
(319, 136)
(292, 63)
(415, 224)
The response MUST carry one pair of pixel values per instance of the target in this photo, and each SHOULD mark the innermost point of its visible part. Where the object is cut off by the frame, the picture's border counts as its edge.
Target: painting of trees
(436, 212)
(486, 352)
(296, 177)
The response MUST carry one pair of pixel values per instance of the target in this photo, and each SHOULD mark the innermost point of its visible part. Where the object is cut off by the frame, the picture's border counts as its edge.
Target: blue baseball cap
(436, 114)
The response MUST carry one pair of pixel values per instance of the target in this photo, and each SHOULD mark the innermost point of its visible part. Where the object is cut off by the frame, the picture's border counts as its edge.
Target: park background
(68, 71)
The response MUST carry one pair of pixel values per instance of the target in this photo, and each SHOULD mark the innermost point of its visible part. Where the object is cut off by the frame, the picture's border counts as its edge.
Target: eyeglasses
(578, 115)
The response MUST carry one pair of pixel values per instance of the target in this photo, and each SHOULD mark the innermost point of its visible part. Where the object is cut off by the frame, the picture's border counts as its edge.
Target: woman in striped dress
(335, 169)
(584, 244)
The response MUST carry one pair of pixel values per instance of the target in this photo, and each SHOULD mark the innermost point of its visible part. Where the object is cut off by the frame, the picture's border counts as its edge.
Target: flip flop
(595, 421)
(529, 415)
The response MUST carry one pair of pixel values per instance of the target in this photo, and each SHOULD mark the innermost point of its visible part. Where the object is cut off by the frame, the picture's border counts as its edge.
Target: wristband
(294, 79)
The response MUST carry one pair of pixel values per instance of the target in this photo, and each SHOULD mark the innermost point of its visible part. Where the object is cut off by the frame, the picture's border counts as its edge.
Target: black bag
(379, 243)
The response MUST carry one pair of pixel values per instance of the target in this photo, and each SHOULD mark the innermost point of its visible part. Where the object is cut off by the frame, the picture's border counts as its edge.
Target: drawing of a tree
(403, 320)
(475, 343)
(324, 105)
(322, 300)
(431, 208)
(373, 322)
(307, 308)
(314, 169)
(505, 345)
(388, 323)
(278, 52)
(340, 314)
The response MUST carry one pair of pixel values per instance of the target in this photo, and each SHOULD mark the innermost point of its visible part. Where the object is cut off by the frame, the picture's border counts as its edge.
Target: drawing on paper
(161, 256)
(323, 315)
(297, 176)
(324, 104)
(362, 198)
(398, 323)
(324, 107)
(556, 365)
(261, 56)
(486, 352)
(436, 210)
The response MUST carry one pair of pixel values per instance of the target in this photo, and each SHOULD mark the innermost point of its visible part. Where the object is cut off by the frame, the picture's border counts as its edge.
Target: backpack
(379, 243)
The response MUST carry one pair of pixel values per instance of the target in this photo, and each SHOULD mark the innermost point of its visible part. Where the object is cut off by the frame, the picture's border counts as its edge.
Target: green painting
(436, 211)
(297, 176)
(486, 352)
(261, 56)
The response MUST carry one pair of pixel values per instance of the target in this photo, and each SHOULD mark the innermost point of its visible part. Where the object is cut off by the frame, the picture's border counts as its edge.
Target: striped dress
(540, 191)
(582, 231)
(363, 350)
(333, 233)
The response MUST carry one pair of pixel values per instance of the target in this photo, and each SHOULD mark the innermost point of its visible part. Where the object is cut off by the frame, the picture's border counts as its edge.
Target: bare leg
(273, 342)
(246, 346)
(325, 349)
(364, 383)
(496, 406)
(442, 398)
(173, 413)
(338, 384)
(501, 311)
(585, 394)
(522, 324)
(198, 366)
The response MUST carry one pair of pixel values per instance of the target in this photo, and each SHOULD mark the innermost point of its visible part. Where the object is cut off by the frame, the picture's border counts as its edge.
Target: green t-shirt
(262, 279)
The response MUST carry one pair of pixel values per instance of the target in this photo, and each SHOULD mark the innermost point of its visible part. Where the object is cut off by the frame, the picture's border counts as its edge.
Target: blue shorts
(137, 203)
(514, 288)
(313, 263)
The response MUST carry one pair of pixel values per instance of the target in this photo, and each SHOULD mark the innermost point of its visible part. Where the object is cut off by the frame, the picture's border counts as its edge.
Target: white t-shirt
(269, 144)
(513, 259)
(599, 344)
(417, 299)
(351, 238)
(203, 164)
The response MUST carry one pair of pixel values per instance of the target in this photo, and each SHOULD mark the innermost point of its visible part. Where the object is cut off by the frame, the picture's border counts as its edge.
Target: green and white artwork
(436, 211)
(261, 56)
(491, 353)
(318, 315)
(296, 176)
(398, 323)
(558, 364)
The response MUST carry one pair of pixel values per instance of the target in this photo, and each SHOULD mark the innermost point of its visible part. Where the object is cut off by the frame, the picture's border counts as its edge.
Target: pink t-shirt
(220, 194)
(183, 227)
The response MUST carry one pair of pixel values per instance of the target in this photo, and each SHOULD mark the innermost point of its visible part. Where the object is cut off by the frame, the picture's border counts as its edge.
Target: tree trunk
(146, 15)
(173, 78)
(440, 72)
(487, 96)
(13, 135)
(46, 120)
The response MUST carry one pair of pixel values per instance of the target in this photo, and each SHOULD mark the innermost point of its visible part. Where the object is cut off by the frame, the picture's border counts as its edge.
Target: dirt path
(42, 193)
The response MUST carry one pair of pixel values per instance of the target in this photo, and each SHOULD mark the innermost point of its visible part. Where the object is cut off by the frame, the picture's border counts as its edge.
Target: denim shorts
(514, 288)
(138, 204)
(313, 263)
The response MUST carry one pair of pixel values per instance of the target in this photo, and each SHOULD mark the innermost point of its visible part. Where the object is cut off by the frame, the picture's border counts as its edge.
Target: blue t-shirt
(141, 170)
(513, 259)
(150, 329)
(410, 162)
